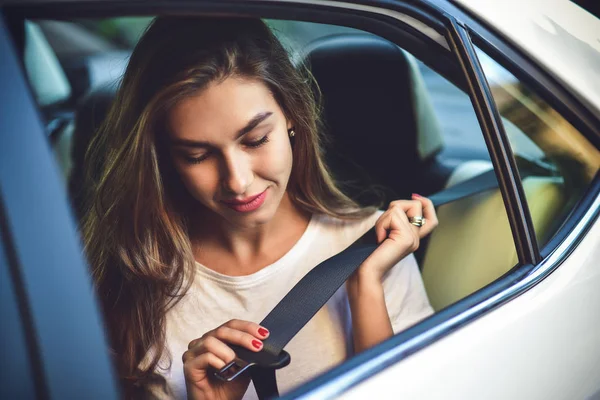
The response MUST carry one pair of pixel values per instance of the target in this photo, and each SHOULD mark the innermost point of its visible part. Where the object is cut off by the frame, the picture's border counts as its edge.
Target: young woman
(207, 199)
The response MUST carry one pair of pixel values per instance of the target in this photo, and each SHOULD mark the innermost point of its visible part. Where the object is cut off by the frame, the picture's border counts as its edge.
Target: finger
(240, 338)
(396, 224)
(202, 362)
(400, 241)
(412, 208)
(193, 343)
(381, 226)
(431, 220)
(213, 345)
(254, 329)
(385, 224)
(247, 326)
(402, 230)
(428, 207)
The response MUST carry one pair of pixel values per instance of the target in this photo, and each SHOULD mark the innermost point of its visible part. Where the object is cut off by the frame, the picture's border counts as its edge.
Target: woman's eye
(198, 159)
(258, 143)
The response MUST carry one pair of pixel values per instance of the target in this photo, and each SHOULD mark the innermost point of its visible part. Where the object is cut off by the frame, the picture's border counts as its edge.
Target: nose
(237, 174)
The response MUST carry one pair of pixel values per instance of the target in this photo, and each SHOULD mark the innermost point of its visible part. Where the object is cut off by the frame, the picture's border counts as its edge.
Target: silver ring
(417, 221)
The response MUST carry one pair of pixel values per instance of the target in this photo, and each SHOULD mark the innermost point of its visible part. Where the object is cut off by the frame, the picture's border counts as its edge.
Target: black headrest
(369, 114)
(91, 112)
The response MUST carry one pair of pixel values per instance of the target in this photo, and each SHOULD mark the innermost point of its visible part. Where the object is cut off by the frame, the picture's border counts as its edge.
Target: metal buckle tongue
(233, 370)
(246, 359)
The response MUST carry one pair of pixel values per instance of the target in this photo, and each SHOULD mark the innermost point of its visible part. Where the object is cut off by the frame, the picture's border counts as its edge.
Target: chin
(249, 219)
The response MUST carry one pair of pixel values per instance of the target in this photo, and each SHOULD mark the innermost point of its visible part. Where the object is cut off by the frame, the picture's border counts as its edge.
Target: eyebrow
(253, 123)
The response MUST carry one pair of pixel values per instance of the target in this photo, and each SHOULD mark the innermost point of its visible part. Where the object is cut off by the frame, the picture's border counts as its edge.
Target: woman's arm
(397, 238)
(370, 321)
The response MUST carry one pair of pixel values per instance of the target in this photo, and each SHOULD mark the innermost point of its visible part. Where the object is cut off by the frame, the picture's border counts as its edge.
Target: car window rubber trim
(47, 264)
(498, 145)
(16, 277)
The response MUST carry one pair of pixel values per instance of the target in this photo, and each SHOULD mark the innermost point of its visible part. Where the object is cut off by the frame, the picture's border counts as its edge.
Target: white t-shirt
(326, 340)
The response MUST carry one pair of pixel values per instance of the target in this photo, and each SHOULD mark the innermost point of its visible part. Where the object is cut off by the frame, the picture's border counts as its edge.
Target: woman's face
(231, 147)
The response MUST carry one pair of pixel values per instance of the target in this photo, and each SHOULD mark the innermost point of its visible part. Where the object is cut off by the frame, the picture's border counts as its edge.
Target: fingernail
(263, 332)
(416, 195)
(257, 344)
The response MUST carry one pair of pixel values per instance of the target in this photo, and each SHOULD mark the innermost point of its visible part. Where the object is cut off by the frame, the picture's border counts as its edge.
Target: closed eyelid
(260, 130)
(190, 152)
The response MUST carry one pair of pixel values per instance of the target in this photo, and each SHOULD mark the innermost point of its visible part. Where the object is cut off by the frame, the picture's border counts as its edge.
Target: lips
(248, 204)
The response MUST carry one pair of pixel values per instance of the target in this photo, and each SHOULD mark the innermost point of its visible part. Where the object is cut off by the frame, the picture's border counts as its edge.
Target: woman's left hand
(396, 236)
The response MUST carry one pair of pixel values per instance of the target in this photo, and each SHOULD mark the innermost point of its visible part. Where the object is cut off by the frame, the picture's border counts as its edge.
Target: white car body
(559, 35)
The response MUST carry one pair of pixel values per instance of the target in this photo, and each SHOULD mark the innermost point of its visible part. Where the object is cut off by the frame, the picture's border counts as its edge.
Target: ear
(290, 124)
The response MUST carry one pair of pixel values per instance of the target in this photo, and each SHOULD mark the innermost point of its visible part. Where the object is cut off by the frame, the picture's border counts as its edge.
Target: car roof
(557, 34)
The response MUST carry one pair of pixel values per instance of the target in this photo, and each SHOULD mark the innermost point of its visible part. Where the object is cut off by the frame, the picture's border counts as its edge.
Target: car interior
(380, 122)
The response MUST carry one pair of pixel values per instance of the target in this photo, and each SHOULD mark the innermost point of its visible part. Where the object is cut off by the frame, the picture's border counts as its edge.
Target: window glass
(122, 32)
(412, 118)
(555, 161)
(461, 131)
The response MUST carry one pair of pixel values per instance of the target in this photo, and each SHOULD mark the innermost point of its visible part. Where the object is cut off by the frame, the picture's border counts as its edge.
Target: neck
(251, 248)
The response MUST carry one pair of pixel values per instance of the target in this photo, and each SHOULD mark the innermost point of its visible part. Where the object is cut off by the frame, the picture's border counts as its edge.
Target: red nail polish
(416, 195)
(257, 344)
(263, 332)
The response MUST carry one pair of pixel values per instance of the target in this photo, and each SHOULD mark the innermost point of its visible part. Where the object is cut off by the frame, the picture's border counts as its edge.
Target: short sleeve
(405, 296)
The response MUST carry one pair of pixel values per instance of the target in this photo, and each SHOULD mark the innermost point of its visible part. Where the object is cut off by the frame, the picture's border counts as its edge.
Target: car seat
(379, 120)
(384, 133)
(91, 112)
(473, 244)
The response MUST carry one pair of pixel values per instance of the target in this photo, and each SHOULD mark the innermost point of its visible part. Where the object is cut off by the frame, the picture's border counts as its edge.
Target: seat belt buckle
(246, 359)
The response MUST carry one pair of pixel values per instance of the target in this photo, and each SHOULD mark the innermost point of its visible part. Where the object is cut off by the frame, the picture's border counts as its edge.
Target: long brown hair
(134, 206)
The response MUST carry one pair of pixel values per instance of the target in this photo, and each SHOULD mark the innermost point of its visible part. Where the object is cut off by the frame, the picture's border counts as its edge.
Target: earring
(291, 132)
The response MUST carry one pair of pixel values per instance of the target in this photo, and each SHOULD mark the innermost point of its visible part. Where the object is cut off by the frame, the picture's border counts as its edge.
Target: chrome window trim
(407, 19)
(499, 147)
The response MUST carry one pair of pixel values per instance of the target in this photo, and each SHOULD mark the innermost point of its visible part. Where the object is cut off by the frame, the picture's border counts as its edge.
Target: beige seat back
(473, 244)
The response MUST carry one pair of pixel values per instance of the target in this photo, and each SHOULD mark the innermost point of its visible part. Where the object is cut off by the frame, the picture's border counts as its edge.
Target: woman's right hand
(211, 352)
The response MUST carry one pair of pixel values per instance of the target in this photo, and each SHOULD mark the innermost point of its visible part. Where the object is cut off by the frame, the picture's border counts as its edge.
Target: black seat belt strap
(289, 316)
(265, 382)
(478, 184)
(487, 181)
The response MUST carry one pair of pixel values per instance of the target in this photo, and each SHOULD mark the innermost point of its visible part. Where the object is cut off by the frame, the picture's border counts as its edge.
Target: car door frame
(59, 315)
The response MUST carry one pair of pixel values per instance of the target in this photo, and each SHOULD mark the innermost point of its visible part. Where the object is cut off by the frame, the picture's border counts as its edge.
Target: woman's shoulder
(346, 231)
